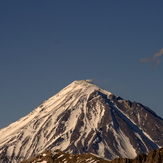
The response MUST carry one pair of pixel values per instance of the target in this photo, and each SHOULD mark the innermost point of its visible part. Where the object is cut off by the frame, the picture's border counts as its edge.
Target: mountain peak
(85, 86)
(83, 82)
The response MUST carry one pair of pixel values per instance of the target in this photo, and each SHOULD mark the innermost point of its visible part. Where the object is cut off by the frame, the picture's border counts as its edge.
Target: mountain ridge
(58, 157)
(83, 118)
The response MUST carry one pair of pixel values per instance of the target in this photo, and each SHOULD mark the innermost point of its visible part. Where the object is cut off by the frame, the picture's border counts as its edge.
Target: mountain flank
(83, 118)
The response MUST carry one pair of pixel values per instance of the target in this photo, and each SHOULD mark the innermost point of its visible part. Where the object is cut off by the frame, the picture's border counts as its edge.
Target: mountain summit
(83, 118)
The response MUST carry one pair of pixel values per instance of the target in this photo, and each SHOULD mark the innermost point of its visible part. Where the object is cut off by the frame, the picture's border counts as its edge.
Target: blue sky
(45, 45)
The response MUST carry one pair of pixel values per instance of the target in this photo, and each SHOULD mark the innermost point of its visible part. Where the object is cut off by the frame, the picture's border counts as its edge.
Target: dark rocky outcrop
(155, 156)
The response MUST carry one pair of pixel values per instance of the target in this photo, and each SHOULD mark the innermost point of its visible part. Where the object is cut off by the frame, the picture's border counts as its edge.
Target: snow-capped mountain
(83, 118)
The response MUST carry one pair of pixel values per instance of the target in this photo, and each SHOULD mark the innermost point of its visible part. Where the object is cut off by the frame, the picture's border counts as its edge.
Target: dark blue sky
(45, 45)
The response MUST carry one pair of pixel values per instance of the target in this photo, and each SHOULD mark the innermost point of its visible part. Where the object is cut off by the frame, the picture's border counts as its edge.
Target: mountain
(155, 156)
(83, 118)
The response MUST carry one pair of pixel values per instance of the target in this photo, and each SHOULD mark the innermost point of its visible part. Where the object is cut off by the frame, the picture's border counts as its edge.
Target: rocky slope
(83, 118)
(155, 156)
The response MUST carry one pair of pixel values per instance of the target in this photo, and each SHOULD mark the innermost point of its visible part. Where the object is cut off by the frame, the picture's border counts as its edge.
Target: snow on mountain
(62, 157)
(83, 118)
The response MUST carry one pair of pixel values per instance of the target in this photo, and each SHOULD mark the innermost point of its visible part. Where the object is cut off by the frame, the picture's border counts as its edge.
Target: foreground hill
(83, 118)
(155, 156)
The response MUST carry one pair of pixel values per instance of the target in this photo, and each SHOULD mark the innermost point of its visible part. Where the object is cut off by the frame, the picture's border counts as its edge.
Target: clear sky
(47, 44)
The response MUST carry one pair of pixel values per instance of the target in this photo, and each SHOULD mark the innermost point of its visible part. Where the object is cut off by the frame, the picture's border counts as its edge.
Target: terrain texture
(83, 118)
(155, 156)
